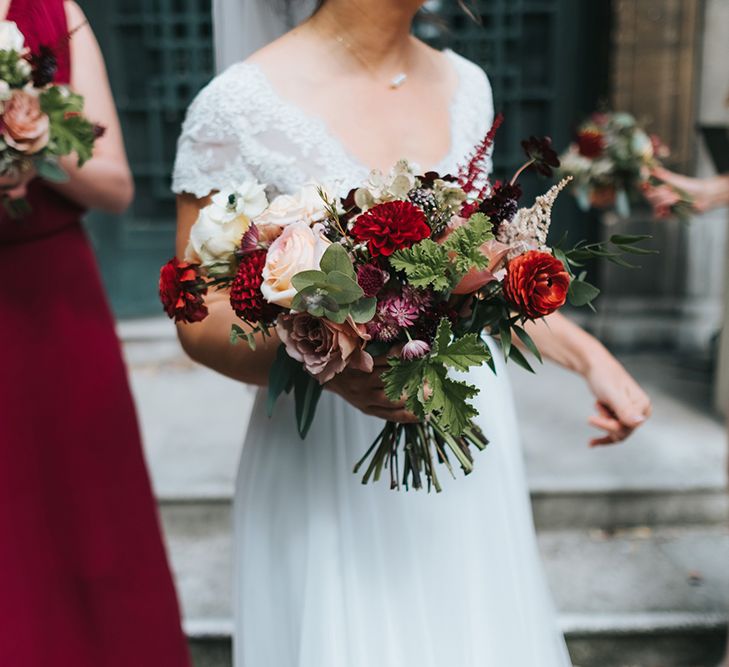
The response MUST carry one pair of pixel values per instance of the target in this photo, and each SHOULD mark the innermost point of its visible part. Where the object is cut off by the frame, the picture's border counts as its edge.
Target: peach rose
(325, 348)
(299, 248)
(474, 280)
(26, 127)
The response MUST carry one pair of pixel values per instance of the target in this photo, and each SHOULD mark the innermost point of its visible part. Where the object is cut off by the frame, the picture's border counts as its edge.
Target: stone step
(649, 597)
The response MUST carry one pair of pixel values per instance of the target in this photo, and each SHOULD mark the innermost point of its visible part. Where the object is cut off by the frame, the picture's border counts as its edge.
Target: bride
(330, 573)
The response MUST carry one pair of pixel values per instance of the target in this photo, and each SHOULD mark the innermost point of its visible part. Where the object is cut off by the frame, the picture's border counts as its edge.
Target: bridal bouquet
(415, 267)
(610, 162)
(39, 122)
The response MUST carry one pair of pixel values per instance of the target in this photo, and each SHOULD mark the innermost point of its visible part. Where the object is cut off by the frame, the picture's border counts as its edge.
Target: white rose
(299, 248)
(11, 39)
(215, 237)
(306, 205)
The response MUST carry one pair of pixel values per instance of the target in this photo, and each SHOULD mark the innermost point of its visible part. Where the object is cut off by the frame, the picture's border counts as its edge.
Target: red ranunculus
(181, 290)
(536, 284)
(591, 143)
(245, 293)
(391, 226)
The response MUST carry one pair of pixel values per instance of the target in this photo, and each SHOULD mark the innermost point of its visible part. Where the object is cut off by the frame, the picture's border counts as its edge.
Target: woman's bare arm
(104, 182)
(622, 405)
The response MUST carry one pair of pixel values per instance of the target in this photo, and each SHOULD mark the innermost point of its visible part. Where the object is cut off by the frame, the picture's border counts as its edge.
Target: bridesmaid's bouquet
(39, 122)
(412, 266)
(610, 162)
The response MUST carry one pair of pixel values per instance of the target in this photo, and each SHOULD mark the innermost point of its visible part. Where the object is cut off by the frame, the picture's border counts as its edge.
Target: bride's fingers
(399, 416)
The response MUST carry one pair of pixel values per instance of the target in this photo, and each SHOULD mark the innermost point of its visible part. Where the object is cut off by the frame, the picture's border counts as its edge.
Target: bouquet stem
(422, 445)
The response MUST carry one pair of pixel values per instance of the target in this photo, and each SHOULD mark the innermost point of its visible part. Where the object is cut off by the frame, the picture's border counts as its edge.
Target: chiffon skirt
(331, 573)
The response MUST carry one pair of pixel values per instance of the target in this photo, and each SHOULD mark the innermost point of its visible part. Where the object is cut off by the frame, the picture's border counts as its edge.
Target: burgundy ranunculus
(591, 143)
(391, 226)
(181, 290)
(536, 284)
(325, 348)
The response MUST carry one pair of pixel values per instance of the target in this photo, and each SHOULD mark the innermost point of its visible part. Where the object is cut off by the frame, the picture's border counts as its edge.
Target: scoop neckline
(321, 125)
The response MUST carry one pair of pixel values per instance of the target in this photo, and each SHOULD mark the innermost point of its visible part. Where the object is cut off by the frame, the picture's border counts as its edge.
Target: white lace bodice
(239, 127)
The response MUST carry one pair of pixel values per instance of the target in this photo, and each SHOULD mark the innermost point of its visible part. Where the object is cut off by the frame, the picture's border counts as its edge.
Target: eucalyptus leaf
(363, 310)
(51, 171)
(309, 279)
(336, 259)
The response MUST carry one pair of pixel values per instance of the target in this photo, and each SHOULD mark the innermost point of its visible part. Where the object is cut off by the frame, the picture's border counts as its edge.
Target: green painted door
(547, 60)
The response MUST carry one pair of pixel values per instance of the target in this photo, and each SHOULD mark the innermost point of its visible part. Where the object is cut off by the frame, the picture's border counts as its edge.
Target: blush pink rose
(25, 126)
(325, 348)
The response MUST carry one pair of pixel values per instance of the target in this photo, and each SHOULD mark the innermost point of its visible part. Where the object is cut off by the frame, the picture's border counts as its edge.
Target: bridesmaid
(84, 581)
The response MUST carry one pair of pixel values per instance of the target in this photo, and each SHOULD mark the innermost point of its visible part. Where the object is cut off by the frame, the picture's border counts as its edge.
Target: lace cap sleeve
(209, 151)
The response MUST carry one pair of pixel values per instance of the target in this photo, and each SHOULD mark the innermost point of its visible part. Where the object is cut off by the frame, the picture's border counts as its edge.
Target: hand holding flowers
(39, 122)
(382, 295)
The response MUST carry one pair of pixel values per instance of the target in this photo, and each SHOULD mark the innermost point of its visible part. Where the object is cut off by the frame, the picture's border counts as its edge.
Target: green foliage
(466, 241)
(332, 292)
(426, 387)
(10, 70)
(71, 132)
(441, 266)
(426, 264)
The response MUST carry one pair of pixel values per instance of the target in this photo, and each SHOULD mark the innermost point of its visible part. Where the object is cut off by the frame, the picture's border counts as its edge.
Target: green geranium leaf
(460, 354)
(363, 310)
(466, 241)
(449, 400)
(70, 131)
(426, 264)
(404, 379)
(336, 259)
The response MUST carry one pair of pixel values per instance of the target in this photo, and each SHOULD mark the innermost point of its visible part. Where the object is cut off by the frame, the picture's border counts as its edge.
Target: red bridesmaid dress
(84, 580)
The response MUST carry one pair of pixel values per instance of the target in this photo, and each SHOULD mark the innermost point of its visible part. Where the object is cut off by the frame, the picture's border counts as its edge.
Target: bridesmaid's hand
(622, 406)
(366, 392)
(16, 186)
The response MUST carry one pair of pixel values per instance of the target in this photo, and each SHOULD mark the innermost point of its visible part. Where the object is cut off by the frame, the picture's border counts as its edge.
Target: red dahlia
(536, 284)
(391, 226)
(181, 290)
(591, 143)
(245, 293)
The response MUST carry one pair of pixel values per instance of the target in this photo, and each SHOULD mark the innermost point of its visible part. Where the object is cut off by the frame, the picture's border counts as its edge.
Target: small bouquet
(413, 266)
(611, 161)
(39, 122)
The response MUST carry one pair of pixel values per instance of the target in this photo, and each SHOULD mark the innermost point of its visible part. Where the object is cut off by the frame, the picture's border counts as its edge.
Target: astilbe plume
(471, 176)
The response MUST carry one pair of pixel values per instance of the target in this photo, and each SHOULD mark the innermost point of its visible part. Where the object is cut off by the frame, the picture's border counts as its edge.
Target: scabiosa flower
(181, 290)
(391, 226)
(371, 279)
(414, 349)
(540, 151)
(591, 143)
(427, 326)
(245, 292)
(503, 203)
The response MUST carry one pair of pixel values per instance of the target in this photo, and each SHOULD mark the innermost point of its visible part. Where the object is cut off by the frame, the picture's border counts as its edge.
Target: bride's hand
(622, 406)
(366, 392)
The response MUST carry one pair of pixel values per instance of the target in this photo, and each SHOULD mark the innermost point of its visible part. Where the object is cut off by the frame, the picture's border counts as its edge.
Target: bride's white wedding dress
(330, 573)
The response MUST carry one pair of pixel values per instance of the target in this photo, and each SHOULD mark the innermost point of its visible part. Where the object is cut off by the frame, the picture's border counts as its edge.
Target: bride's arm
(208, 342)
(622, 406)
